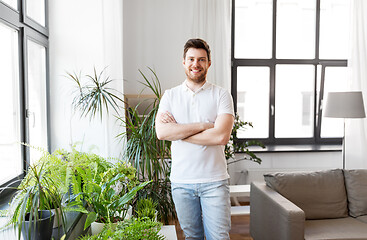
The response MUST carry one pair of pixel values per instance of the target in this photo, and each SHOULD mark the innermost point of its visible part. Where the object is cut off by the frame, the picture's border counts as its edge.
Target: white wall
(154, 35)
(83, 34)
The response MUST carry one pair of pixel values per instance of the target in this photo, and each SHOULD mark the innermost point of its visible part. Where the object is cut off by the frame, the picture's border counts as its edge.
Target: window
(10, 104)
(286, 56)
(24, 71)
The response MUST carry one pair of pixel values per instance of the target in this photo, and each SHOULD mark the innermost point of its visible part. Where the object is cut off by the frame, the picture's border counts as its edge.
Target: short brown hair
(196, 43)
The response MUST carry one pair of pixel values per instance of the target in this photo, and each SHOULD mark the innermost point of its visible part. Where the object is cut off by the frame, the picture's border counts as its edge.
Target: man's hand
(167, 117)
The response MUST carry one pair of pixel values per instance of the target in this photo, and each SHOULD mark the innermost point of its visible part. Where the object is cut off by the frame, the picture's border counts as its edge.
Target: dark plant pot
(43, 228)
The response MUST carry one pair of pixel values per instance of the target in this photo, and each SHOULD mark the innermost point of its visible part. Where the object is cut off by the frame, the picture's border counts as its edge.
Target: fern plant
(132, 229)
(101, 189)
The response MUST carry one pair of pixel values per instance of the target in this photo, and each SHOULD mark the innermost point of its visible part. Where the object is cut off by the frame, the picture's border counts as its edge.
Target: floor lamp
(344, 105)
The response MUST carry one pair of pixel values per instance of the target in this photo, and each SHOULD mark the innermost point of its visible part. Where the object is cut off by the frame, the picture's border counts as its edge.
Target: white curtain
(211, 20)
(356, 129)
(112, 50)
(90, 36)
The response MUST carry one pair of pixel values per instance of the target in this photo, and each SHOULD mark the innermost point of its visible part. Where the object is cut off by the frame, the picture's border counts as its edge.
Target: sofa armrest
(272, 216)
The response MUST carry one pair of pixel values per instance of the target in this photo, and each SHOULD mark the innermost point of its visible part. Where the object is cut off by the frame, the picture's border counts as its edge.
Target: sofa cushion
(319, 194)
(356, 184)
(362, 218)
(340, 228)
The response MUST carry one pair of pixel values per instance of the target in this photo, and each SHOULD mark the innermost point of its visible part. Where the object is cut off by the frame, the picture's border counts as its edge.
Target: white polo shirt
(193, 163)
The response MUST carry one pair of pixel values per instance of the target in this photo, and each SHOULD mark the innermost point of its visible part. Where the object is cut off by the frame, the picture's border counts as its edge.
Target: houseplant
(146, 207)
(134, 228)
(30, 208)
(81, 167)
(142, 149)
(149, 155)
(138, 228)
(234, 146)
(105, 197)
(93, 93)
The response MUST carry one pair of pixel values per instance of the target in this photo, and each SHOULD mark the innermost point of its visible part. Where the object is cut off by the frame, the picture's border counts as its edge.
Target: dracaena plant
(94, 93)
(37, 191)
(146, 152)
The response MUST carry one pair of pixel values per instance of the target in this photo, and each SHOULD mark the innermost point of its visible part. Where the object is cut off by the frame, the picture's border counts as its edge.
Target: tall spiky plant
(147, 153)
(95, 94)
(37, 191)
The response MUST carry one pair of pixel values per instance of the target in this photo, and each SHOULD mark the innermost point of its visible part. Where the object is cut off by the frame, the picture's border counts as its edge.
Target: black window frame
(27, 28)
(271, 63)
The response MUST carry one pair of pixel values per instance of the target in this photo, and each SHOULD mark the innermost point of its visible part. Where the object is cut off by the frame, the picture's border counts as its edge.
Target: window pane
(37, 98)
(294, 101)
(253, 33)
(11, 3)
(253, 100)
(36, 10)
(10, 160)
(296, 29)
(334, 29)
(335, 81)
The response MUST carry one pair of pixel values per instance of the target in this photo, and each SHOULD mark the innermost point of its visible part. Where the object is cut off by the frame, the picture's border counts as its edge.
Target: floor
(240, 229)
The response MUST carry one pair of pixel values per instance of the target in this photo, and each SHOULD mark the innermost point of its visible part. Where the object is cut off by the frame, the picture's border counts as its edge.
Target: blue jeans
(203, 208)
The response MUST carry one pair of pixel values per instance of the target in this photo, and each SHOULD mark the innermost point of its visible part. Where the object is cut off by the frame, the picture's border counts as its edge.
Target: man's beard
(196, 78)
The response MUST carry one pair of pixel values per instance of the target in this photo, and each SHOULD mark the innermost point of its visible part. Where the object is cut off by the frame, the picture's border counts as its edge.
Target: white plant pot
(129, 213)
(97, 227)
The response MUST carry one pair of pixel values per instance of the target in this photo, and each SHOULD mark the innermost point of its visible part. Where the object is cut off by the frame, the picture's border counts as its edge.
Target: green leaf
(91, 217)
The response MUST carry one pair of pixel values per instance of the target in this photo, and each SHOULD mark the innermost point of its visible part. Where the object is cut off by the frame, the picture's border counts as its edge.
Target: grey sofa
(330, 204)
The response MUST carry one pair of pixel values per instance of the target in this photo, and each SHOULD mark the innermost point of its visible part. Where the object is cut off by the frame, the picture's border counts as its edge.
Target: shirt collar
(207, 85)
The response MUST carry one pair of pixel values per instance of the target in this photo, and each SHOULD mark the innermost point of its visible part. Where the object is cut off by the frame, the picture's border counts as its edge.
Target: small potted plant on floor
(132, 229)
(30, 208)
(146, 207)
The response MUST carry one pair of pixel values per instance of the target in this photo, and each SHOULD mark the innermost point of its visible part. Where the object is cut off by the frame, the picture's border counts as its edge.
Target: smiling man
(197, 117)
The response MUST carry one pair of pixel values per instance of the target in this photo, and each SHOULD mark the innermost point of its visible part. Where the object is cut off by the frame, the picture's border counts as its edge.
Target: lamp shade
(344, 105)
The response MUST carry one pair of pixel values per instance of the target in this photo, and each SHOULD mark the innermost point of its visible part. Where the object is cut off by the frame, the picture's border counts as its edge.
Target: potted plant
(149, 155)
(93, 94)
(79, 168)
(105, 197)
(146, 207)
(56, 168)
(30, 208)
(133, 229)
(234, 146)
(138, 228)
(143, 150)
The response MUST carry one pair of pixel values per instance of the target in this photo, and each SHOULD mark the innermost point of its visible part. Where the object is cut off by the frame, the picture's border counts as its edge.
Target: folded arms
(202, 133)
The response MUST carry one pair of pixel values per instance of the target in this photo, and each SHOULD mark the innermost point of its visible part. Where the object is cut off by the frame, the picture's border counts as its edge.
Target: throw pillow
(319, 194)
(356, 184)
